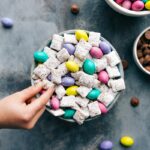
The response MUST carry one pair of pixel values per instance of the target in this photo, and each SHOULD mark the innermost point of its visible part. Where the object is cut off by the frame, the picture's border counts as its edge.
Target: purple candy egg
(7, 22)
(70, 48)
(49, 77)
(105, 47)
(106, 145)
(67, 81)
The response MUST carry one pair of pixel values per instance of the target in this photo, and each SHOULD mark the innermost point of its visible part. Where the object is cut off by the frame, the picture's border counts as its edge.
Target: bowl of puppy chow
(86, 71)
(133, 8)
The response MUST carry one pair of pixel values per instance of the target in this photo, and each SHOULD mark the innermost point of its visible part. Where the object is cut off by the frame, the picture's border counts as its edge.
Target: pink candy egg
(137, 5)
(119, 1)
(54, 103)
(96, 52)
(103, 108)
(103, 77)
(127, 4)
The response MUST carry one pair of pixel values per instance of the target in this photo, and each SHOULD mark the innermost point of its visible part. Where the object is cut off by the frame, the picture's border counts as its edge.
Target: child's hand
(22, 110)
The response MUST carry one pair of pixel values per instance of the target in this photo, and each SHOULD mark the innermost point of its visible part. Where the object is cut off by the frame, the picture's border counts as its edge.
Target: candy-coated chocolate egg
(72, 90)
(93, 94)
(138, 5)
(96, 52)
(40, 56)
(103, 77)
(49, 77)
(105, 47)
(127, 141)
(54, 103)
(70, 48)
(127, 4)
(119, 1)
(81, 34)
(72, 66)
(67, 81)
(69, 113)
(147, 5)
(103, 108)
(106, 145)
(7, 22)
(89, 66)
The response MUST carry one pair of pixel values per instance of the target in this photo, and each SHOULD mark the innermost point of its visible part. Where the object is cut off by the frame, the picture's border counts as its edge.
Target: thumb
(40, 102)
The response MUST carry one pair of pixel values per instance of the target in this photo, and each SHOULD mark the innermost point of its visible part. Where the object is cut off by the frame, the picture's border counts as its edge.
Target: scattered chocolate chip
(147, 35)
(134, 101)
(125, 64)
(75, 9)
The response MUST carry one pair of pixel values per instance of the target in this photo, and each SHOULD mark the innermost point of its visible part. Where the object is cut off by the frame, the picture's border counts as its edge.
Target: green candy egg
(89, 67)
(93, 94)
(69, 113)
(40, 56)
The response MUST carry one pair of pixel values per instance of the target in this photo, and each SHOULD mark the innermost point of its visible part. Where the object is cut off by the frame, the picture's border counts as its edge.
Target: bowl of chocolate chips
(141, 51)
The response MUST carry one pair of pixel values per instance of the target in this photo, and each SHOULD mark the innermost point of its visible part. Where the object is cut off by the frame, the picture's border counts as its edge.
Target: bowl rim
(119, 66)
(135, 51)
(125, 11)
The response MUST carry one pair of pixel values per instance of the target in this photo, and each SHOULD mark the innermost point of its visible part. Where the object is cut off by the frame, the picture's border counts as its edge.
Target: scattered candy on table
(127, 141)
(143, 50)
(106, 145)
(7, 22)
(75, 8)
(125, 64)
(84, 69)
(135, 5)
(134, 101)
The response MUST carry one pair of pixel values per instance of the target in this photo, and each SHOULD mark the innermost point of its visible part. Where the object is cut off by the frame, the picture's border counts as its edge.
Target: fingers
(35, 119)
(30, 91)
(40, 102)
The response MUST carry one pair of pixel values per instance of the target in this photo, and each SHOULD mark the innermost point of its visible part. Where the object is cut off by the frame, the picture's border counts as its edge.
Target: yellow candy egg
(147, 5)
(127, 141)
(72, 66)
(72, 90)
(81, 34)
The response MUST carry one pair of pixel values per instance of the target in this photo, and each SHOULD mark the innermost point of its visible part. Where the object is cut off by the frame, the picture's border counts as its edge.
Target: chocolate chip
(147, 35)
(134, 101)
(139, 53)
(125, 64)
(146, 59)
(146, 52)
(141, 60)
(147, 68)
(74, 8)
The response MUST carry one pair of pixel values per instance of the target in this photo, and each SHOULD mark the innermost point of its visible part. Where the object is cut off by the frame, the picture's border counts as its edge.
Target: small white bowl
(125, 11)
(135, 52)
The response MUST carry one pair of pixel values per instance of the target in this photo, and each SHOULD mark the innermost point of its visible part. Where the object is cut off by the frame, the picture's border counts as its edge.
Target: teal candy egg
(93, 94)
(69, 113)
(40, 56)
(89, 67)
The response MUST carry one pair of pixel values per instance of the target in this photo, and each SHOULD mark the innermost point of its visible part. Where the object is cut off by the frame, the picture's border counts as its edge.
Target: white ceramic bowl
(126, 12)
(135, 52)
(119, 66)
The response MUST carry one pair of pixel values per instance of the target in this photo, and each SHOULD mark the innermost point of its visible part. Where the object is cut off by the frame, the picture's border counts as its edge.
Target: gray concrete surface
(35, 21)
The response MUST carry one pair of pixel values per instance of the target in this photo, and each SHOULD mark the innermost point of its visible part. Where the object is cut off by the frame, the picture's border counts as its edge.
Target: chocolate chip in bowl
(141, 51)
(86, 70)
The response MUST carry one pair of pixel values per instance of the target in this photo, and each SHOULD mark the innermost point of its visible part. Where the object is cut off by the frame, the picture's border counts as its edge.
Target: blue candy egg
(67, 81)
(105, 47)
(70, 48)
(7, 22)
(106, 145)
